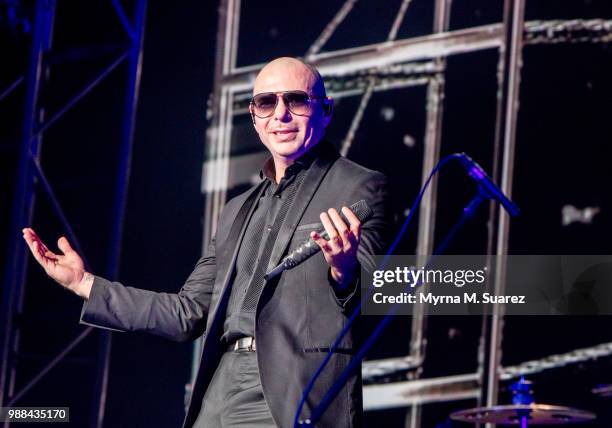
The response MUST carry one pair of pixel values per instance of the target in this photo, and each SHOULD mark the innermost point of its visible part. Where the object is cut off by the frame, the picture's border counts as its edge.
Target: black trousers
(234, 397)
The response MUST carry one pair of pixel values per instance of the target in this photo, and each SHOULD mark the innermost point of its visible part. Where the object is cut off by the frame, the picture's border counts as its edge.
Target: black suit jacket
(298, 316)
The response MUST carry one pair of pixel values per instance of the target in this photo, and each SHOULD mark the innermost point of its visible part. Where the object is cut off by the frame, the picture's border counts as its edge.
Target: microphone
(486, 184)
(309, 247)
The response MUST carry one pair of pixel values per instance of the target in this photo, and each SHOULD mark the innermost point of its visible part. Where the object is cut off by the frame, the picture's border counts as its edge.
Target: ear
(252, 114)
(328, 109)
(328, 106)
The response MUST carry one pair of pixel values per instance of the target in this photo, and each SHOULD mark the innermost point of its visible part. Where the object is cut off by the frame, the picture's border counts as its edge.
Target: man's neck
(280, 166)
(277, 166)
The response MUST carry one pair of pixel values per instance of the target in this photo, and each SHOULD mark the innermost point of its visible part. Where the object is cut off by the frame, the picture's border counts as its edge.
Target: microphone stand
(468, 212)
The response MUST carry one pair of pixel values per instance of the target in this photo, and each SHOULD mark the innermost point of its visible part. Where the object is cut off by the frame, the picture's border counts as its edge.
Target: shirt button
(277, 196)
(268, 228)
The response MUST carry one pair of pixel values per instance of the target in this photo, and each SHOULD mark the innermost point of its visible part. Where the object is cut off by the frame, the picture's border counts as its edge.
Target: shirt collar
(303, 162)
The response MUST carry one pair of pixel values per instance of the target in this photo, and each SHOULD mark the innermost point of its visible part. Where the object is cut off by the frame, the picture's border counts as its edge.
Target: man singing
(263, 339)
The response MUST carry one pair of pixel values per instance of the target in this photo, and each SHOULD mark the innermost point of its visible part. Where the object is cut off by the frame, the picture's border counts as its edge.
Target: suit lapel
(234, 238)
(312, 180)
(211, 343)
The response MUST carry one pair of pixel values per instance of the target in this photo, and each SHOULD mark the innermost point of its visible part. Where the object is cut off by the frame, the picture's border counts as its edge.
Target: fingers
(355, 224)
(39, 250)
(321, 242)
(335, 240)
(341, 250)
(344, 240)
(350, 233)
(341, 237)
(30, 236)
(339, 224)
(36, 247)
(350, 237)
(36, 250)
(64, 245)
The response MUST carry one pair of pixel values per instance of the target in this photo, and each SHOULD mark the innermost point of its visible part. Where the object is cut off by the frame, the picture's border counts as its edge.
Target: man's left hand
(341, 250)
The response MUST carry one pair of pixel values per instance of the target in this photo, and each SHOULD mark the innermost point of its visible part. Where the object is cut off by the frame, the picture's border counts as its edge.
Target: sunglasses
(298, 102)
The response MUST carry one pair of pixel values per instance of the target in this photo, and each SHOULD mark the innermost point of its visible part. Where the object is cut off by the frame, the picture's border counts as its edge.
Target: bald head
(288, 134)
(286, 74)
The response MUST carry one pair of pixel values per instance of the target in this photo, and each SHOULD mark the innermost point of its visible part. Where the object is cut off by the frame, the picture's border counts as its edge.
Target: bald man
(263, 339)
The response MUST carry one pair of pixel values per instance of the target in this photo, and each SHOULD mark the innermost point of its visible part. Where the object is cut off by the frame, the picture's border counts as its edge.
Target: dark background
(163, 224)
(562, 157)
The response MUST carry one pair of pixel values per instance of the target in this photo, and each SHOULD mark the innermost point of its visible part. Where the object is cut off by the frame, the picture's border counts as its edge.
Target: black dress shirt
(261, 232)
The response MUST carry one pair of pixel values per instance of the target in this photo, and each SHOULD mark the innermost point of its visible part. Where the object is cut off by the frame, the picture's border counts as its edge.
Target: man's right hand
(66, 269)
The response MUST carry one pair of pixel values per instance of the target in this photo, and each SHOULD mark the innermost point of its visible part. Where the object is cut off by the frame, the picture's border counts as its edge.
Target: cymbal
(538, 414)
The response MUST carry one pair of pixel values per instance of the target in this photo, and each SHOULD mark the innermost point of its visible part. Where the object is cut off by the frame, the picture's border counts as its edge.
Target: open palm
(67, 268)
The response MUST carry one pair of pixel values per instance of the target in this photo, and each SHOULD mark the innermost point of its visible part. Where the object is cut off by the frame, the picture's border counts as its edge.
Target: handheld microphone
(489, 187)
(309, 247)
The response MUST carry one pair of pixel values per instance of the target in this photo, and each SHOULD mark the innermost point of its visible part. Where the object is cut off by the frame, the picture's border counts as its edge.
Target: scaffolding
(391, 64)
(31, 180)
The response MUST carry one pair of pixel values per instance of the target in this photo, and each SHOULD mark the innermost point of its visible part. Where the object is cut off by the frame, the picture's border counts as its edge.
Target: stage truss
(32, 180)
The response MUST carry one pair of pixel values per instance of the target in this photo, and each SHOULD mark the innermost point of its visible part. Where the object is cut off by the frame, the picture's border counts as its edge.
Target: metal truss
(460, 387)
(31, 178)
(384, 66)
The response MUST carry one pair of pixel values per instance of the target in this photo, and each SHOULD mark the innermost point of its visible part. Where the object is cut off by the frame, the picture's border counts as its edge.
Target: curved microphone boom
(309, 247)
(490, 189)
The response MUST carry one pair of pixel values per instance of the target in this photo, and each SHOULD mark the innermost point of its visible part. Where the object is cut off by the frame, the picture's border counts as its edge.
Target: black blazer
(298, 316)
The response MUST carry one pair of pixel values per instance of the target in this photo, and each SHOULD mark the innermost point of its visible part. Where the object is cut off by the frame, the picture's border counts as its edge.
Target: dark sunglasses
(298, 102)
